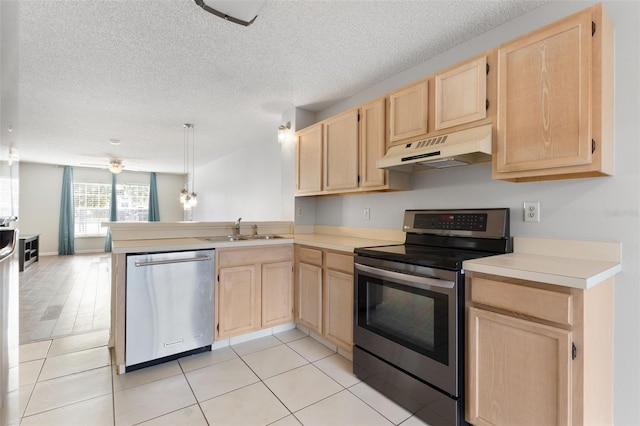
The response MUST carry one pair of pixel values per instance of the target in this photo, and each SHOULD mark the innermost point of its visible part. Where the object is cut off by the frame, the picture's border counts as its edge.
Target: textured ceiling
(135, 70)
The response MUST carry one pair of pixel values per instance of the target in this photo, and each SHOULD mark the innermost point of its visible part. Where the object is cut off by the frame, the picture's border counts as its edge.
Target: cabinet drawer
(308, 255)
(543, 304)
(253, 255)
(340, 262)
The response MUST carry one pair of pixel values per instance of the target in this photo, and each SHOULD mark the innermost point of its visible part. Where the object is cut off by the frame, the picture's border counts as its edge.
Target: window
(91, 204)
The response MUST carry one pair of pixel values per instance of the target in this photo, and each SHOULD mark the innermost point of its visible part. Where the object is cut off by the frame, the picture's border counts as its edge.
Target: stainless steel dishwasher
(169, 306)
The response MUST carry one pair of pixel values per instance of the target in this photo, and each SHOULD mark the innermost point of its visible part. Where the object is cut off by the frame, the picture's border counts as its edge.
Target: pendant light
(187, 198)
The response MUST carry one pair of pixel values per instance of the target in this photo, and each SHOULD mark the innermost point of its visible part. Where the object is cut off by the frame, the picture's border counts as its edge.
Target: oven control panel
(458, 221)
(486, 223)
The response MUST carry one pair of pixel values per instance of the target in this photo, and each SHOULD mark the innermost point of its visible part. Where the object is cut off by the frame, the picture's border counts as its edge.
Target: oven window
(412, 317)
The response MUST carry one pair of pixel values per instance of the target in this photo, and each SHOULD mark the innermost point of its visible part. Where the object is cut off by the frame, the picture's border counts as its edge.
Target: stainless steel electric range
(409, 314)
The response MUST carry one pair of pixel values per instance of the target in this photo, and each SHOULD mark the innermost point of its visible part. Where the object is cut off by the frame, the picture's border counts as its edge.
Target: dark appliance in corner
(409, 308)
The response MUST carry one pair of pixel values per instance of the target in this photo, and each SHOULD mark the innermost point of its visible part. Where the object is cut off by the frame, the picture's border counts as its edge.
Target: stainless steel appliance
(169, 306)
(409, 314)
(8, 322)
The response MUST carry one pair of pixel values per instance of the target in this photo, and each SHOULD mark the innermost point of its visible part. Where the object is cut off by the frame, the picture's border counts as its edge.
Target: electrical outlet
(532, 211)
(367, 214)
(300, 211)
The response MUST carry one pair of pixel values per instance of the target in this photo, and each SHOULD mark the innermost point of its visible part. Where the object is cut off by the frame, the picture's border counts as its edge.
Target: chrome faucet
(236, 228)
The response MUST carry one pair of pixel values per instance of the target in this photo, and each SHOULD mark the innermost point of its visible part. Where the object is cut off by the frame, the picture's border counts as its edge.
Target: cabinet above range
(547, 98)
(455, 98)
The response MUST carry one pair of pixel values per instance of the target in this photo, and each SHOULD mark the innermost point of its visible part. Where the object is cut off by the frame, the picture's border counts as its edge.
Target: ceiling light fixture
(115, 142)
(239, 12)
(115, 166)
(284, 131)
(189, 199)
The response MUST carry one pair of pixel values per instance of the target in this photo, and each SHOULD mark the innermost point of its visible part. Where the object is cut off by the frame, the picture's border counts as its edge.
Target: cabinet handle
(593, 146)
(574, 351)
(169, 261)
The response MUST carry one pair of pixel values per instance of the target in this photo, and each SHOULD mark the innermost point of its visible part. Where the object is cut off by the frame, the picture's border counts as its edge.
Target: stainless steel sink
(223, 238)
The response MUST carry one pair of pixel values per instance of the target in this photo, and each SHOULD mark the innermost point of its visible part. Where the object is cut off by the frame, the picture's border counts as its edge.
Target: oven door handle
(413, 280)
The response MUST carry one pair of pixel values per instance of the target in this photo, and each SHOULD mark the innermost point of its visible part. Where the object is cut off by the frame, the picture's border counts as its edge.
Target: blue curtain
(66, 230)
(113, 215)
(154, 210)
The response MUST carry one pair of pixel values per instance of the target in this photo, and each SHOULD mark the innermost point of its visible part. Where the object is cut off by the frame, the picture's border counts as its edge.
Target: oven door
(409, 321)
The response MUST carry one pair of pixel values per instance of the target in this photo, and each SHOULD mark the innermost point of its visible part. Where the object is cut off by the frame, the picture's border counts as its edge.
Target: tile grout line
(184, 374)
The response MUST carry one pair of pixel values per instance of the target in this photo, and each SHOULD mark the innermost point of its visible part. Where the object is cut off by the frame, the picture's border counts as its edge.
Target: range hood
(449, 150)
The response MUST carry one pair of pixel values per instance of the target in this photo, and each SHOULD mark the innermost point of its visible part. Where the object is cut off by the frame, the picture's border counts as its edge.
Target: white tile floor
(284, 379)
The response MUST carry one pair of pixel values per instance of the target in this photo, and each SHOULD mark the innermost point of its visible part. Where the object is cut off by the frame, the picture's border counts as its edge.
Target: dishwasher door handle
(170, 261)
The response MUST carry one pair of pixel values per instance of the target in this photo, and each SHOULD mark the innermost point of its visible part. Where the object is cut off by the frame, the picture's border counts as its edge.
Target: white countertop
(338, 242)
(332, 242)
(178, 244)
(578, 264)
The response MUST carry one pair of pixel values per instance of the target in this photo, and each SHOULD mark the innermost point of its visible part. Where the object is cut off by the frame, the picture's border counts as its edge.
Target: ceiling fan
(115, 165)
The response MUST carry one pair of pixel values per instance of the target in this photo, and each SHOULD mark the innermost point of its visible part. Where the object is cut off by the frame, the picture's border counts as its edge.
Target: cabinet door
(519, 371)
(339, 310)
(277, 293)
(341, 144)
(408, 109)
(309, 296)
(372, 143)
(309, 160)
(461, 94)
(238, 301)
(544, 97)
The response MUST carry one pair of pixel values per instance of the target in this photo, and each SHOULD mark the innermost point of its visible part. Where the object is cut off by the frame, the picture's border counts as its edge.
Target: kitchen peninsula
(156, 237)
(557, 293)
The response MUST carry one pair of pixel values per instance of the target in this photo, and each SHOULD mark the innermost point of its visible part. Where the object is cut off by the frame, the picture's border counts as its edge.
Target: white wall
(40, 191)
(606, 209)
(246, 183)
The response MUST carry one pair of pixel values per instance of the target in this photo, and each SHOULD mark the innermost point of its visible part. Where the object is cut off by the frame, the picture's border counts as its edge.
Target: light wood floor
(64, 295)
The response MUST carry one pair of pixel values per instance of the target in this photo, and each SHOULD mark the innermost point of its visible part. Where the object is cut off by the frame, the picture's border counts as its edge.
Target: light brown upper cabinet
(555, 95)
(341, 145)
(309, 160)
(373, 144)
(461, 94)
(349, 146)
(408, 112)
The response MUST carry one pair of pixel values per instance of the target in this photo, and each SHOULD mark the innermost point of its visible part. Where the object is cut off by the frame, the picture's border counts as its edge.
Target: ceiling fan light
(115, 166)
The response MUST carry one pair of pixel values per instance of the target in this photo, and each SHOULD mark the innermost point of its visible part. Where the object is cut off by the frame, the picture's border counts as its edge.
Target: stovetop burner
(443, 239)
(432, 257)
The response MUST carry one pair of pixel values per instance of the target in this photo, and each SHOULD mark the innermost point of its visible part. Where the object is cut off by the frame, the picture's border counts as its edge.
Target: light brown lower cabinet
(254, 288)
(324, 294)
(308, 288)
(538, 354)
